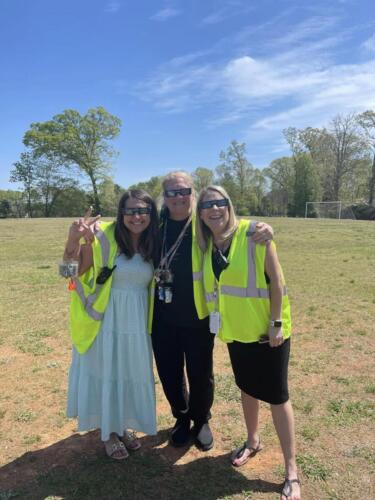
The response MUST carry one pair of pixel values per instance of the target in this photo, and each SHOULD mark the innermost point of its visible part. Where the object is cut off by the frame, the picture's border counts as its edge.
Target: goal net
(329, 210)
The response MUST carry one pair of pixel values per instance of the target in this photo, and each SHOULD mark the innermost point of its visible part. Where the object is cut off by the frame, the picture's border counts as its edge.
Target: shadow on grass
(77, 468)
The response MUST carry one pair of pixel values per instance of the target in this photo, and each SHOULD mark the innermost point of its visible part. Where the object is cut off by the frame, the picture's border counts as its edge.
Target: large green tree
(78, 140)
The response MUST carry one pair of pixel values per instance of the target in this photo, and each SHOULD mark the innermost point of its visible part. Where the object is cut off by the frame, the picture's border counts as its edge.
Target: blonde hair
(202, 231)
(176, 174)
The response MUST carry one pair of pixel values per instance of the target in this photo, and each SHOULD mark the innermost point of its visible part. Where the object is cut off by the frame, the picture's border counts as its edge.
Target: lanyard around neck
(167, 257)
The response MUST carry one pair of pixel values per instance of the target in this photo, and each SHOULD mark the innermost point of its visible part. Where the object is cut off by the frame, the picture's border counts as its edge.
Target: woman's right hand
(84, 227)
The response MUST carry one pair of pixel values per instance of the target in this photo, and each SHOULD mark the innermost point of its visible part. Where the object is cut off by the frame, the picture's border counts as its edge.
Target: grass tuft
(365, 452)
(346, 413)
(370, 389)
(309, 434)
(312, 467)
(226, 389)
(25, 416)
(32, 439)
(32, 343)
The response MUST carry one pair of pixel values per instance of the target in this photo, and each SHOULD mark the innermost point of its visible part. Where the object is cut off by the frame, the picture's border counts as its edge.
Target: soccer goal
(329, 210)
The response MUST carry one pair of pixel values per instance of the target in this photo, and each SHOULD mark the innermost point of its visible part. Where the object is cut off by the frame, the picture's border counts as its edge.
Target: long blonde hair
(202, 231)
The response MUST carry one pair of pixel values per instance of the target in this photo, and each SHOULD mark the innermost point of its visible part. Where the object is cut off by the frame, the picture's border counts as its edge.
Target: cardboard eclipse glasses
(136, 210)
(223, 202)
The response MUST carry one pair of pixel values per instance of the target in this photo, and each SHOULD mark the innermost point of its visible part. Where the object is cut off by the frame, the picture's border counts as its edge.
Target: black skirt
(261, 371)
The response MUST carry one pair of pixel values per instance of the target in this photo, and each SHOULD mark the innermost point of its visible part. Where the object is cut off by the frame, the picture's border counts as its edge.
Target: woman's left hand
(275, 335)
(263, 233)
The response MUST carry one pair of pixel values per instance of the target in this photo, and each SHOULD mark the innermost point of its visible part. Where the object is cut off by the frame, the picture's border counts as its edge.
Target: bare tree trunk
(29, 204)
(97, 206)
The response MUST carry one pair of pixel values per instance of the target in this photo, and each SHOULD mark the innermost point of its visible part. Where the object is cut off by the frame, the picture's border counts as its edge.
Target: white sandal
(130, 440)
(112, 446)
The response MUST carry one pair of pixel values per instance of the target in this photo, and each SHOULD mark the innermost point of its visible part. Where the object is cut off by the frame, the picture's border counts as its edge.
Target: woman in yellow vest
(111, 383)
(249, 310)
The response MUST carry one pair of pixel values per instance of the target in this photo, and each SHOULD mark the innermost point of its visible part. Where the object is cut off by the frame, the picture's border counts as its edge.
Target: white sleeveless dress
(112, 386)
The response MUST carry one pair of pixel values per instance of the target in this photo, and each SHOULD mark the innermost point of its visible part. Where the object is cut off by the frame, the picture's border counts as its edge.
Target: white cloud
(295, 83)
(305, 31)
(369, 44)
(165, 14)
(112, 7)
(227, 9)
(215, 17)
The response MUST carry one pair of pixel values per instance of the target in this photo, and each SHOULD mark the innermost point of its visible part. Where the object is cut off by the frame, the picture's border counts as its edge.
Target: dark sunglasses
(224, 202)
(172, 193)
(139, 211)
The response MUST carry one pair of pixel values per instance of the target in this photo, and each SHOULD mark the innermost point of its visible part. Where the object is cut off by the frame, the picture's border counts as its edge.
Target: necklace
(222, 245)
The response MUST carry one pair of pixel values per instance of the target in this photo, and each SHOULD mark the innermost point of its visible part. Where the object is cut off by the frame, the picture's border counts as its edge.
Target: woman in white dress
(111, 383)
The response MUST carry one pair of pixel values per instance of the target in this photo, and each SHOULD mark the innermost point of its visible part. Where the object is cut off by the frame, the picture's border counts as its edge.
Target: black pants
(173, 346)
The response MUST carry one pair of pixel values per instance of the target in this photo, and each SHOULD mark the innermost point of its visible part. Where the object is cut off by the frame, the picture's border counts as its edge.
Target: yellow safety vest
(242, 295)
(89, 300)
(199, 300)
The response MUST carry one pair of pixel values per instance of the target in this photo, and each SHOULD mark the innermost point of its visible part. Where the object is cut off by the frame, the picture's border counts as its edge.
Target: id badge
(215, 322)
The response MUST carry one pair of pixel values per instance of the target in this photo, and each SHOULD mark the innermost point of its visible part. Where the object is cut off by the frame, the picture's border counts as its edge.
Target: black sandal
(288, 488)
(238, 453)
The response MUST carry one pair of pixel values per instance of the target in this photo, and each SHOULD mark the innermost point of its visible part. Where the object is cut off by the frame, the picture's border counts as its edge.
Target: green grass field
(330, 271)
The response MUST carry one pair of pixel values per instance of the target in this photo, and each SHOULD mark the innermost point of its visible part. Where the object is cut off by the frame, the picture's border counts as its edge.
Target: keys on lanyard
(164, 280)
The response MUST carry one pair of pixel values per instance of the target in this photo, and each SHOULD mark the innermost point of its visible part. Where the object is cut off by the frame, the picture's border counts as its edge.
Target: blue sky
(185, 77)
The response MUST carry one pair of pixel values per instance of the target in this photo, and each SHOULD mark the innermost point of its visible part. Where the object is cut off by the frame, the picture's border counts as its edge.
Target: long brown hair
(149, 244)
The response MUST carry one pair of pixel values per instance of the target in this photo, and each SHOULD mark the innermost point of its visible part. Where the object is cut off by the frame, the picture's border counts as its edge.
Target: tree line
(66, 166)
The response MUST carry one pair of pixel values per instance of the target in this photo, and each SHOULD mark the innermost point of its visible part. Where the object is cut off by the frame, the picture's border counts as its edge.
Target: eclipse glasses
(136, 210)
(223, 202)
(172, 193)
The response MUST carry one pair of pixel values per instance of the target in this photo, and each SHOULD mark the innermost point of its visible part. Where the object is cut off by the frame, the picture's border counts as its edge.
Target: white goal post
(324, 209)
(329, 210)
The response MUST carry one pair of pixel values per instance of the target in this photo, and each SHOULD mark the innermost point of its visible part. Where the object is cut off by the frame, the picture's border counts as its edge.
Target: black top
(181, 311)
(216, 267)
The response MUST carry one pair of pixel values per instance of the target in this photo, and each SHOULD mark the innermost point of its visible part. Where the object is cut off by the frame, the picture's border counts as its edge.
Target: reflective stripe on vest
(88, 301)
(197, 276)
(251, 290)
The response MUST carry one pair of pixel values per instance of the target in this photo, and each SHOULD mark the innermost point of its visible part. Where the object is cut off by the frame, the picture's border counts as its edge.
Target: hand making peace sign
(84, 227)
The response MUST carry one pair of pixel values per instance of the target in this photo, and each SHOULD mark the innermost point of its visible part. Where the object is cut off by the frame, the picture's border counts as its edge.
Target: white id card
(214, 322)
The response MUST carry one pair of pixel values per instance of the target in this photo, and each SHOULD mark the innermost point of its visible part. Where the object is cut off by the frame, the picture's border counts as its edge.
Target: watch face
(277, 323)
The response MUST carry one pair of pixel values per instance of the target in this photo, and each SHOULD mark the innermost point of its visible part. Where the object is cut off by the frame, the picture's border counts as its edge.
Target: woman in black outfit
(180, 331)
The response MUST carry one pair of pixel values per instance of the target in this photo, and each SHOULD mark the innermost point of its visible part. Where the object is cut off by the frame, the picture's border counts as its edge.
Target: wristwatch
(276, 323)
